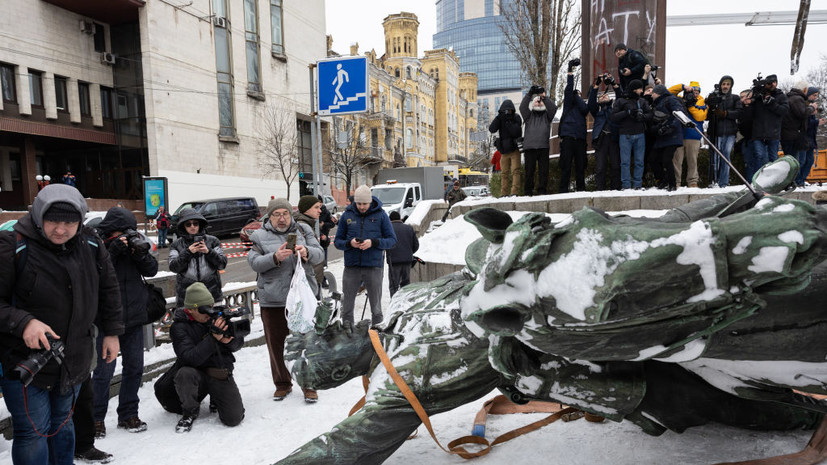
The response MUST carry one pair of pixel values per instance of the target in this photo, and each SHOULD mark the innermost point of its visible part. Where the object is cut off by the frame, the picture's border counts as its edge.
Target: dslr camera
(654, 67)
(573, 64)
(28, 369)
(135, 242)
(238, 325)
(536, 90)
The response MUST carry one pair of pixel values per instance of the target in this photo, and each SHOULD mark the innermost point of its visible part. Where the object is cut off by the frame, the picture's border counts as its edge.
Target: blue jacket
(667, 104)
(573, 120)
(374, 225)
(601, 114)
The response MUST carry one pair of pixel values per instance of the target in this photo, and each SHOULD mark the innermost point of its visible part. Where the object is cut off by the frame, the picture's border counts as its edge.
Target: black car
(224, 216)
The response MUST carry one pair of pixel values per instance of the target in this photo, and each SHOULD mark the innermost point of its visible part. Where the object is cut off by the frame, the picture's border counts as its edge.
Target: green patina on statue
(708, 313)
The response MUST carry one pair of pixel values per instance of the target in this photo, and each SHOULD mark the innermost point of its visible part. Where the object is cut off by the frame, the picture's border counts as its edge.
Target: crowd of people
(635, 130)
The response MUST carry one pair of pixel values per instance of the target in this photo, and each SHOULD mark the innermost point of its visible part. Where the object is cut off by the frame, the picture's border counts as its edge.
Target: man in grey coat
(275, 262)
(538, 112)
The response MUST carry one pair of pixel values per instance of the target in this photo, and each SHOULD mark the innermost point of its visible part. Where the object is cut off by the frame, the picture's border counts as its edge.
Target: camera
(519, 141)
(536, 90)
(138, 244)
(574, 63)
(759, 88)
(654, 67)
(28, 369)
(237, 323)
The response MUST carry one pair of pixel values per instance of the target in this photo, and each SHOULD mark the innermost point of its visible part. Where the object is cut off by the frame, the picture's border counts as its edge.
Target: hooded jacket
(197, 267)
(622, 114)
(698, 112)
(794, 122)
(374, 224)
(602, 113)
(196, 348)
(68, 287)
(537, 123)
(510, 126)
(636, 63)
(573, 119)
(726, 124)
(766, 117)
(666, 104)
(274, 278)
(129, 267)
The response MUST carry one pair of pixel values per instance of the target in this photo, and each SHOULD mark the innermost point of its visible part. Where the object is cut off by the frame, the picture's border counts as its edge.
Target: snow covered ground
(271, 430)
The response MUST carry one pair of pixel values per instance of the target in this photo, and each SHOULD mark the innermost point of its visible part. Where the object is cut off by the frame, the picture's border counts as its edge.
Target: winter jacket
(636, 63)
(274, 278)
(162, 220)
(573, 119)
(374, 224)
(812, 131)
(698, 112)
(455, 195)
(726, 113)
(666, 104)
(68, 287)
(623, 111)
(406, 244)
(195, 347)
(602, 116)
(129, 267)
(766, 117)
(510, 126)
(794, 122)
(325, 225)
(197, 267)
(312, 223)
(745, 122)
(537, 123)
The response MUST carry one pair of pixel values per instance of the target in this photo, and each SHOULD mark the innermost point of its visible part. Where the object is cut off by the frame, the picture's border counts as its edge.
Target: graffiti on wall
(632, 22)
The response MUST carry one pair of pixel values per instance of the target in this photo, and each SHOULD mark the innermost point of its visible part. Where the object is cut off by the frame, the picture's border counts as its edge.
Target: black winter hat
(394, 216)
(62, 211)
(620, 46)
(307, 201)
(771, 78)
(635, 84)
(117, 219)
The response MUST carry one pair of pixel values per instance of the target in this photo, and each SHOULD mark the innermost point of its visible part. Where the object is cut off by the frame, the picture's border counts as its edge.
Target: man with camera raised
(573, 134)
(769, 105)
(204, 346)
(56, 280)
(538, 113)
(132, 261)
(605, 133)
(196, 256)
(696, 106)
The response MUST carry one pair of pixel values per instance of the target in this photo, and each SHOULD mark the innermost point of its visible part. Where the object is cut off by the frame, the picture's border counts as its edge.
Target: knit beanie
(197, 295)
(307, 201)
(620, 46)
(661, 90)
(696, 85)
(276, 204)
(812, 90)
(62, 211)
(362, 195)
(635, 84)
(771, 78)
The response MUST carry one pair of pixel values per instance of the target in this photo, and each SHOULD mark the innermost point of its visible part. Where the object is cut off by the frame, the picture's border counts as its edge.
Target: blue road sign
(342, 86)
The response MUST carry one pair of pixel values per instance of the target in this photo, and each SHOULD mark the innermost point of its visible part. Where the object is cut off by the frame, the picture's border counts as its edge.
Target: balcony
(106, 11)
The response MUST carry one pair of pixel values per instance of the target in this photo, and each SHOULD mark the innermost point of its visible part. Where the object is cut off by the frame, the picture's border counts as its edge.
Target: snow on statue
(708, 313)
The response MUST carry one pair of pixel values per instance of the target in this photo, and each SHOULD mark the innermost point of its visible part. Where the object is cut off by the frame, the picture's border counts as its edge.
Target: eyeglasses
(191, 223)
(280, 215)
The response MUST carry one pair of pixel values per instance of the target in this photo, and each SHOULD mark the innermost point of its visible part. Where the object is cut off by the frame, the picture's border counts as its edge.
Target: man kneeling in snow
(204, 365)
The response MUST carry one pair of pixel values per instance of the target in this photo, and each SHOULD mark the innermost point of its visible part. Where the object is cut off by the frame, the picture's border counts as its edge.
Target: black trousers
(662, 166)
(84, 417)
(182, 389)
(607, 158)
(572, 149)
(536, 162)
(399, 275)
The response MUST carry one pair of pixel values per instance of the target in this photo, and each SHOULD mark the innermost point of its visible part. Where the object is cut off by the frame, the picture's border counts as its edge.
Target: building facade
(114, 90)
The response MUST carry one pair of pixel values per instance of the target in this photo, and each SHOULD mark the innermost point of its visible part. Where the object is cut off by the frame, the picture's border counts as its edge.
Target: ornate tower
(400, 35)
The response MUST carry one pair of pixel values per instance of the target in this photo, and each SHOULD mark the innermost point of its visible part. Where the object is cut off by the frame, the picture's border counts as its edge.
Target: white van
(398, 197)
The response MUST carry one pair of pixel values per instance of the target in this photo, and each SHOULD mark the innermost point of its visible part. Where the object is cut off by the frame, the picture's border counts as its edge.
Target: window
(408, 72)
(36, 88)
(224, 76)
(83, 98)
(251, 40)
(7, 82)
(276, 27)
(409, 138)
(106, 102)
(61, 97)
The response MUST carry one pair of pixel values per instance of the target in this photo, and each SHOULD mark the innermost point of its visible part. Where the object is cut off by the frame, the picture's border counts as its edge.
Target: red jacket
(495, 160)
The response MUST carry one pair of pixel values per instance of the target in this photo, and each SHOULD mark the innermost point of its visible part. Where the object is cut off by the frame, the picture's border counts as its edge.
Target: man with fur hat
(56, 281)
(132, 262)
(538, 113)
(695, 105)
(630, 114)
(364, 233)
(204, 365)
(768, 110)
(196, 256)
(275, 262)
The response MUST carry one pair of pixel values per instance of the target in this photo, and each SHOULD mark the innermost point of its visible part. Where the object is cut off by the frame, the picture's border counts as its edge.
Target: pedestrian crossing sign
(342, 86)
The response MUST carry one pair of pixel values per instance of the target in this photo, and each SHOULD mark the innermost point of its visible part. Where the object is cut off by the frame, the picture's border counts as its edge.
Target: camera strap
(68, 416)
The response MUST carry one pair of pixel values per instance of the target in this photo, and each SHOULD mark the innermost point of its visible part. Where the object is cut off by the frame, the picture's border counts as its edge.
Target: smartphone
(291, 241)
(359, 240)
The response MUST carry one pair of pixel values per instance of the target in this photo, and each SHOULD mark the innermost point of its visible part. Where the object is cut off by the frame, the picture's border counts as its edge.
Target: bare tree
(278, 150)
(543, 35)
(350, 154)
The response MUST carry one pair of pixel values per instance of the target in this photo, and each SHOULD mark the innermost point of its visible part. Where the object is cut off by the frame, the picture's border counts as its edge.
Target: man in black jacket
(204, 366)
(724, 110)
(196, 256)
(630, 114)
(56, 280)
(573, 135)
(132, 261)
(604, 134)
(400, 257)
(631, 65)
(767, 112)
(510, 127)
(794, 124)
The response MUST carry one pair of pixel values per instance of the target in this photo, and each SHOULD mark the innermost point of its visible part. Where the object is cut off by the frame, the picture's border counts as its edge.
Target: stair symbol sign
(348, 100)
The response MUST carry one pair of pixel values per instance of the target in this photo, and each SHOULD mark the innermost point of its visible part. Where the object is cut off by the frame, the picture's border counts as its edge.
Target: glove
(637, 114)
(610, 80)
(574, 63)
(597, 81)
(117, 247)
(768, 99)
(720, 113)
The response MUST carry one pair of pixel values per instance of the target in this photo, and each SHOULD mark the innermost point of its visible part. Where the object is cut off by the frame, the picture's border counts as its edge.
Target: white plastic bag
(301, 302)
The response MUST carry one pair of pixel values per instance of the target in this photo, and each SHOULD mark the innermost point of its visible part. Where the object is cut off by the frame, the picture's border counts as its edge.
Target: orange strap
(454, 446)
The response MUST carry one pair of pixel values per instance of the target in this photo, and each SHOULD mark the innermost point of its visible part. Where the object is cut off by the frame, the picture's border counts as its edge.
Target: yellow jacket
(699, 110)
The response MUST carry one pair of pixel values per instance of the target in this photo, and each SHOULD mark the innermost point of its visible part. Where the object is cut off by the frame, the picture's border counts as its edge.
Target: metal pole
(319, 163)
(313, 113)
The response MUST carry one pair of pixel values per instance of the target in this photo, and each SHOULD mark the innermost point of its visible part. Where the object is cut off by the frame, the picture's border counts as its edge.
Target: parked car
(330, 203)
(93, 219)
(477, 191)
(224, 216)
(250, 228)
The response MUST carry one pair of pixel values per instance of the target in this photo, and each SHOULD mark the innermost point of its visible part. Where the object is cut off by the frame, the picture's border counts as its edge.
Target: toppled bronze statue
(708, 313)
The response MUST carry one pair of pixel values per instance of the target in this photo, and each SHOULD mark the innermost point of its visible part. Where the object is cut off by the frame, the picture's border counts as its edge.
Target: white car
(477, 191)
(330, 203)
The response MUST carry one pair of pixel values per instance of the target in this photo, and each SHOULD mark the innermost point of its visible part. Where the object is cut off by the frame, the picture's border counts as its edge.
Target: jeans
(48, 412)
(162, 237)
(806, 166)
(632, 147)
(749, 159)
(764, 151)
(132, 360)
(788, 146)
(725, 145)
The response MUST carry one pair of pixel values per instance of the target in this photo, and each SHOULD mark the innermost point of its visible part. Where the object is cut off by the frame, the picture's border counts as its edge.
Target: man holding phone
(276, 246)
(196, 256)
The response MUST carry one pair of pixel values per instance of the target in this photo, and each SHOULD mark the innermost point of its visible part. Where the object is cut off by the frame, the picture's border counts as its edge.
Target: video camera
(237, 325)
(138, 244)
(28, 369)
(759, 89)
(715, 98)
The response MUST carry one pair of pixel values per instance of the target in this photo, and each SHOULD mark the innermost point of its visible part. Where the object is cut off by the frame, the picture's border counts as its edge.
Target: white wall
(195, 186)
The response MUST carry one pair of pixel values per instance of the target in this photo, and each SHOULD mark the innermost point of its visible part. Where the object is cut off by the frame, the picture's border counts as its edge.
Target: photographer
(196, 256)
(573, 134)
(630, 114)
(668, 136)
(605, 133)
(694, 103)
(794, 125)
(812, 130)
(631, 65)
(56, 280)
(204, 365)
(510, 127)
(538, 113)
(769, 105)
(724, 111)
